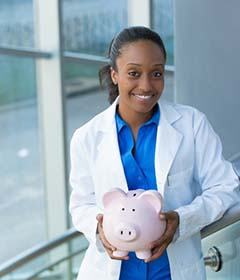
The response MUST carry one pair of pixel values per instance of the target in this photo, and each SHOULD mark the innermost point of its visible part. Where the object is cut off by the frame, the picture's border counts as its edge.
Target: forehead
(143, 52)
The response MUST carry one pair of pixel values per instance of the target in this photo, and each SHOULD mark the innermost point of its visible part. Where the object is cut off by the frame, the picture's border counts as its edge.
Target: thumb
(99, 218)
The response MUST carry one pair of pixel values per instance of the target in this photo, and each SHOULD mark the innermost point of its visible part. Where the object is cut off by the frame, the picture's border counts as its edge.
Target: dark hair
(126, 36)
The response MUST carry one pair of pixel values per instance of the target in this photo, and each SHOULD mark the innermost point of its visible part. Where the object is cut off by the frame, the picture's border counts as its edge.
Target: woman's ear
(114, 76)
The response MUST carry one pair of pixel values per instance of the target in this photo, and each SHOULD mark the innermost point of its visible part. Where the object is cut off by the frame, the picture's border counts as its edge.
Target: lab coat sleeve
(219, 183)
(82, 205)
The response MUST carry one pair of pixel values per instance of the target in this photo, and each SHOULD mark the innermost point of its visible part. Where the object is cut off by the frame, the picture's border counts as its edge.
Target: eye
(134, 74)
(123, 209)
(157, 74)
(133, 210)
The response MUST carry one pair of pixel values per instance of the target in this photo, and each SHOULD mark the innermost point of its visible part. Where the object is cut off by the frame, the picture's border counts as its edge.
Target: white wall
(207, 45)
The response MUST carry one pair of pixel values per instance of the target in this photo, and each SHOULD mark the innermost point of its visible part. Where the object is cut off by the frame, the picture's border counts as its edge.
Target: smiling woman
(135, 73)
(140, 80)
(142, 142)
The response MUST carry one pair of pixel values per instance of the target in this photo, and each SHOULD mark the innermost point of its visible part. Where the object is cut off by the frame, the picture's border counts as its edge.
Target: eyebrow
(158, 64)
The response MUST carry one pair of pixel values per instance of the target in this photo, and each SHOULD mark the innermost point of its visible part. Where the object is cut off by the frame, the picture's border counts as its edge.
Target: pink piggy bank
(131, 221)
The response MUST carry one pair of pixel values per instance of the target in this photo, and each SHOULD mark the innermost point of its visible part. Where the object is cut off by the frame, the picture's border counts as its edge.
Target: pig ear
(113, 195)
(154, 198)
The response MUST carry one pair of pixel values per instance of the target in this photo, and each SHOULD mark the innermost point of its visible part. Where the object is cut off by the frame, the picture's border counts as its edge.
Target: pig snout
(126, 232)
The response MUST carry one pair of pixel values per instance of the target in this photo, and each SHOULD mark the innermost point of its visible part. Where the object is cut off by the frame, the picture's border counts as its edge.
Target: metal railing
(230, 217)
(39, 250)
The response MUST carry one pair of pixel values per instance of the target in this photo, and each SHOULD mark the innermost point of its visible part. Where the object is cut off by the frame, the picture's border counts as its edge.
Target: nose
(126, 233)
(145, 84)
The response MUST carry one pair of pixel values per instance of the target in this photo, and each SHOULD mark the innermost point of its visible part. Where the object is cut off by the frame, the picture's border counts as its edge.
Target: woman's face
(140, 76)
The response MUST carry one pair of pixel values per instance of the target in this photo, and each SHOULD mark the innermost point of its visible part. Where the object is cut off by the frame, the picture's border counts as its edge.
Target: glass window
(84, 97)
(16, 23)
(162, 22)
(88, 28)
(22, 213)
(89, 25)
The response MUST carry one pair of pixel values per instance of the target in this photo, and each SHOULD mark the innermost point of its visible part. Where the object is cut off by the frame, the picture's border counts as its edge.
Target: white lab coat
(191, 174)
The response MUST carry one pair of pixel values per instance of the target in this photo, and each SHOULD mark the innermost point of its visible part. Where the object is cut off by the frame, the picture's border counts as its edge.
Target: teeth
(143, 96)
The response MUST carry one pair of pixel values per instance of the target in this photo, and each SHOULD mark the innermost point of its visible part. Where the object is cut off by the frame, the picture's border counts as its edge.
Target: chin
(145, 108)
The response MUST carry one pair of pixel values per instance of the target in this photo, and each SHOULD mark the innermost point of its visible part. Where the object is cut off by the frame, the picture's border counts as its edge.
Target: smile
(143, 97)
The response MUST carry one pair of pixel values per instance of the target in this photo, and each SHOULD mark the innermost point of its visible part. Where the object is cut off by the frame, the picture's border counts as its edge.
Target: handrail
(230, 217)
(52, 265)
(37, 251)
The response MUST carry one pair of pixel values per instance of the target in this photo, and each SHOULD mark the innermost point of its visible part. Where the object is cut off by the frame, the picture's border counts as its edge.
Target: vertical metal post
(139, 12)
(52, 119)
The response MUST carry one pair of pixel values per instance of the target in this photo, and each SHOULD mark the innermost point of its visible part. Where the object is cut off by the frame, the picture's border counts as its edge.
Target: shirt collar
(154, 119)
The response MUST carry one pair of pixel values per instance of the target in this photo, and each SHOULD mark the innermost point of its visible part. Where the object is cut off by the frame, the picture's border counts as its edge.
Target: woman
(143, 142)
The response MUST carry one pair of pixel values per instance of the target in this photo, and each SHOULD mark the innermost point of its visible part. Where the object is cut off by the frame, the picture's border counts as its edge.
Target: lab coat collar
(166, 109)
(167, 144)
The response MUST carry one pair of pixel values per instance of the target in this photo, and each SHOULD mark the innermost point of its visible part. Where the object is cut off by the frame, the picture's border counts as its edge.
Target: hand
(108, 247)
(160, 245)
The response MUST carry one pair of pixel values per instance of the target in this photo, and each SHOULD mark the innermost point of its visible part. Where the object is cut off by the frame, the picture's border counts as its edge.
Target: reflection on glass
(89, 25)
(21, 194)
(84, 97)
(16, 23)
(162, 22)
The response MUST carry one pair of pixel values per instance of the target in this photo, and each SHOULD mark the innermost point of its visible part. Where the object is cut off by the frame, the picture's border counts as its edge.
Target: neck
(134, 119)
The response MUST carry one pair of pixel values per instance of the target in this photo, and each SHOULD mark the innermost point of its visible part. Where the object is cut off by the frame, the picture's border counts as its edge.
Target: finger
(105, 243)
(159, 242)
(99, 218)
(167, 235)
(156, 253)
(165, 239)
(119, 258)
(163, 216)
(110, 253)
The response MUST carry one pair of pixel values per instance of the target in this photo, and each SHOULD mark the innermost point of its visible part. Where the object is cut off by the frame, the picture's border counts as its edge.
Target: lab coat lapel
(109, 153)
(167, 144)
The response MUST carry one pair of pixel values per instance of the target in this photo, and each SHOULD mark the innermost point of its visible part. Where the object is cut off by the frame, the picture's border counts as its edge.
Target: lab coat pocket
(180, 179)
(178, 190)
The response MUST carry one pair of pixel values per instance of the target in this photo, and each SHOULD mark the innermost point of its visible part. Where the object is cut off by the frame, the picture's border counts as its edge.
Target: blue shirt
(138, 163)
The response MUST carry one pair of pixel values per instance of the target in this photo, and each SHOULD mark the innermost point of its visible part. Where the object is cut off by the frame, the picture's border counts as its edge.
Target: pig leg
(144, 254)
(120, 254)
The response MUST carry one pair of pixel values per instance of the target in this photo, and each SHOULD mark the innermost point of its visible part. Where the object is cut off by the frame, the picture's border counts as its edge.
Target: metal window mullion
(24, 52)
(139, 12)
(51, 114)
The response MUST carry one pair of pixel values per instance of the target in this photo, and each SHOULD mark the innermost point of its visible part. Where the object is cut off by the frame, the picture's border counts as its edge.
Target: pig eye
(123, 209)
(133, 210)
(134, 194)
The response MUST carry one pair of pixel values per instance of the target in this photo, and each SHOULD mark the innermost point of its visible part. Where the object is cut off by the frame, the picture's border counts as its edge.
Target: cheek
(126, 86)
(160, 86)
